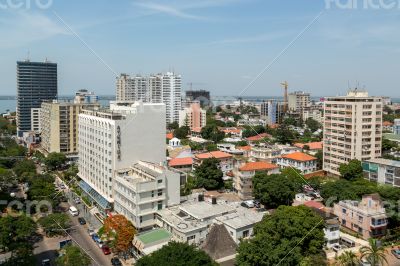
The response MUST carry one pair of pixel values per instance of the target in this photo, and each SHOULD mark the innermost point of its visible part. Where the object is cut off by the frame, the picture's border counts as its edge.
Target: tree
(352, 170)
(172, 126)
(312, 124)
(182, 132)
(55, 224)
(284, 135)
(7, 178)
(22, 255)
(211, 132)
(319, 155)
(375, 254)
(276, 189)
(348, 258)
(73, 256)
(55, 160)
(212, 147)
(179, 254)
(15, 230)
(208, 175)
(387, 145)
(120, 231)
(24, 167)
(294, 230)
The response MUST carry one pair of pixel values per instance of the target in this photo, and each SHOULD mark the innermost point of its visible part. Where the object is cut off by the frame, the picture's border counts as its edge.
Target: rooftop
(259, 137)
(299, 156)
(241, 218)
(180, 161)
(155, 235)
(203, 210)
(213, 154)
(385, 162)
(258, 166)
(311, 145)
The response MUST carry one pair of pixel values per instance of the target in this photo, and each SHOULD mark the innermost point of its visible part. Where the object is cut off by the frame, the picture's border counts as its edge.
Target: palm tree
(348, 258)
(376, 255)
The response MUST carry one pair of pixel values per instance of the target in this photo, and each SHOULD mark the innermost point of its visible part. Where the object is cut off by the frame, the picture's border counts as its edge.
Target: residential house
(301, 161)
(225, 160)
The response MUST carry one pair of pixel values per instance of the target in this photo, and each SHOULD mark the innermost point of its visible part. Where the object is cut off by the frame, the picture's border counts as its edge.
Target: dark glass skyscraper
(36, 82)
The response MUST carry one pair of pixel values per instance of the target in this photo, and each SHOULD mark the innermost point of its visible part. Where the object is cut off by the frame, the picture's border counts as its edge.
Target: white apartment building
(299, 101)
(35, 120)
(303, 162)
(352, 129)
(115, 138)
(159, 88)
(193, 116)
(142, 190)
(382, 171)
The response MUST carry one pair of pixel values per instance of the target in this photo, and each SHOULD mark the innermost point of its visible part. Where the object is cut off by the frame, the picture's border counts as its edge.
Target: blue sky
(219, 45)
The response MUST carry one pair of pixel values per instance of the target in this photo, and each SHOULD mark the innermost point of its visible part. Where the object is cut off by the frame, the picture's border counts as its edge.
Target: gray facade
(36, 82)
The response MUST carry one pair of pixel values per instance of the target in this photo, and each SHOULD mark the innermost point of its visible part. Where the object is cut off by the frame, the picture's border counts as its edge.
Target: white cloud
(22, 28)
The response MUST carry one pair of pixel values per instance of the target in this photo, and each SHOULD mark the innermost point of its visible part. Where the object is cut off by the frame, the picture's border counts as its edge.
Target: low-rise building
(142, 190)
(331, 229)
(243, 177)
(366, 217)
(396, 127)
(225, 160)
(301, 161)
(311, 147)
(191, 221)
(184, 164)
(387, 126)
(382, 171)
(147, 242)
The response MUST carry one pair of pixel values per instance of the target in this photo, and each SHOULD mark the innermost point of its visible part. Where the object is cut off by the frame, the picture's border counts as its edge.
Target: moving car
(116, 262)
(106, 250)
(396, 252)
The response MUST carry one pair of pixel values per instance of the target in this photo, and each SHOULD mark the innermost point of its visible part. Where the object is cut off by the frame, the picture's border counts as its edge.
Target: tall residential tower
(36, 82)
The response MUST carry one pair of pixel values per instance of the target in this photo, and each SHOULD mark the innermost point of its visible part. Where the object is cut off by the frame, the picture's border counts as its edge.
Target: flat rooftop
(241, 218)
(155, 235)
(384, 162)
(203, 210)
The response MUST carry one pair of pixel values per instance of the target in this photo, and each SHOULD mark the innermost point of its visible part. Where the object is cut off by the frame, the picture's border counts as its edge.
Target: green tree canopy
(15, 230)
(55, 223)
(24, 167)
(284, 134)
(312, 124)
(73, 256)
(208, 175)
(352, 170)
(286, 237)
(182, 132)
(177, 254)
(55, 160)
(211, 132)
(277, 189)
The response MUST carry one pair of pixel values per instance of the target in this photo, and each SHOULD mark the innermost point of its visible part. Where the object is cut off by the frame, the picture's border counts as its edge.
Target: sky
(230, 47)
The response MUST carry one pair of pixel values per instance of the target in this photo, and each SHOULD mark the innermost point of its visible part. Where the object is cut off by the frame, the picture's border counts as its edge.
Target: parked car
(247, 204)
(77, 200)
(106, 250)
(116, 262)
(46, 262)
(73, 211)
(257, 203)
(90, 231)
(396, 252)
(336, 248)
(82, 220)
(95, 237)
(100, 243)
(62, 186)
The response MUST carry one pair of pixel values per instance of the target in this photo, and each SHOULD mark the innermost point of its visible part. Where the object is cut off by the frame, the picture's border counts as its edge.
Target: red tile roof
(311, 145)
(259, 137)
(213, 154)
(314, 204)
(299, 156)
(180, 161)
(258, 166)
(387, 123)
(244, 148)
(170, 135)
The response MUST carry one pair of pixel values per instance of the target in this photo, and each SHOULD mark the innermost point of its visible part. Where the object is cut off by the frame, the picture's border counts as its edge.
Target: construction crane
(285, 96)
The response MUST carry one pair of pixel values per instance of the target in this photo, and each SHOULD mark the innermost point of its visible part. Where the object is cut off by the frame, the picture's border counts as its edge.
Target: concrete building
(352, 129)
(199, 95)
(244, 173)
(86, 97)
(301, 161)
(35, 120)
(191, 221)
(299, 101)
(331, 229)
(315, 114)
(59, 126)
(269, 111)
(366, 217)
(142, 190)
(159, 88)
(36, 82)
(396, 127)
(269, 153)
(192, 116)
(382, 171)
(115, 138)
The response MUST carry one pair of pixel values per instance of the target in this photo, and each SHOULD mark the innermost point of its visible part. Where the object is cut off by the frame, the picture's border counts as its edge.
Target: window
(159, 181)
(343, 210)
(343, 221)
(159, 205)
(159, 193)
(245, 233)
(191, 237)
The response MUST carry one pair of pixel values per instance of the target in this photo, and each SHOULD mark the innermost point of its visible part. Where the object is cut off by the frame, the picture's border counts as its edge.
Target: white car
(73, 211)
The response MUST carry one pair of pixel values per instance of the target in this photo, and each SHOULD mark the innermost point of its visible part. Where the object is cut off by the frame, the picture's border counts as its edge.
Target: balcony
(378, 223)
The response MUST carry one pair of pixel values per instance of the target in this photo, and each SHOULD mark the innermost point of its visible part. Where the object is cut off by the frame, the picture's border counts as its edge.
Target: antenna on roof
(28, 56)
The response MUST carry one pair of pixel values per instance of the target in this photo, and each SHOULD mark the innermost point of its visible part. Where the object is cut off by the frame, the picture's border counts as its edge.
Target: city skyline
(221, 46)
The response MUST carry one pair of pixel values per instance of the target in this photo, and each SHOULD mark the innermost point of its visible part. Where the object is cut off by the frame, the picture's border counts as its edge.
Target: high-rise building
(59, 124)
(36, 82)
(85, 97)
(299, 101)
(352, 129)
(269, 110)
(159, 88)
(199, 95)
(115, 138)
(193, 116)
